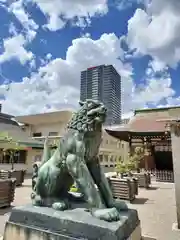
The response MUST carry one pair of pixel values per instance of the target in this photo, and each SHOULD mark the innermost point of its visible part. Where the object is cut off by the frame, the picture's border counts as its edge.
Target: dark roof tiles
(147, 124)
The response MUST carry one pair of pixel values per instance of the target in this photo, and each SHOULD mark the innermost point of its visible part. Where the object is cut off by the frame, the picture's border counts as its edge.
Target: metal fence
(162, 175)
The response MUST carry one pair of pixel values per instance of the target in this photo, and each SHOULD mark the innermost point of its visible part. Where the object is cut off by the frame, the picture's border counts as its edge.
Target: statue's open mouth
(98, 113)
(100, 117)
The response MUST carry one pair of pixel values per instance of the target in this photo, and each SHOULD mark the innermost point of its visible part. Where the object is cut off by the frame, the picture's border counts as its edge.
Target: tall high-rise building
(103, 83)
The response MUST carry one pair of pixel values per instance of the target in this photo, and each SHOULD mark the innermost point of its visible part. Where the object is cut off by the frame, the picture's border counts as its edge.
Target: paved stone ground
(157, 211)
(156, 208)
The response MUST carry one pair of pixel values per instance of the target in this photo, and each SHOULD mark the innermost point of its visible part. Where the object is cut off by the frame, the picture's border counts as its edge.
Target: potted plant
(143, 177)
(12, 148)
(123, 186)
(121, 168)
(129, 166)
(7, 190)
(11, 153)
(135, 158)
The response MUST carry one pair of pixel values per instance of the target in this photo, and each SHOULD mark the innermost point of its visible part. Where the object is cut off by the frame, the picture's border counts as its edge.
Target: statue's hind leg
(55, 203)
(35, 196)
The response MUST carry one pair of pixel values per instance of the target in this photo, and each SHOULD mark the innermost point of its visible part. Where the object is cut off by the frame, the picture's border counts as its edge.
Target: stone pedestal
(39, 223)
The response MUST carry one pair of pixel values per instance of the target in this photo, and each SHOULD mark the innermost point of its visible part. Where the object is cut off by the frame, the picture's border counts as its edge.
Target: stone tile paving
(22, 196)
(156, 208)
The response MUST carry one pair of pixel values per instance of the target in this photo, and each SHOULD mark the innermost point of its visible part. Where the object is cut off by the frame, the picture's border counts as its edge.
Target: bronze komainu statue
(76, 160)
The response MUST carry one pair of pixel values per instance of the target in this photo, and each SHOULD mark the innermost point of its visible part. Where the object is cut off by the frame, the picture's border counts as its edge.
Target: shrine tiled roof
(138, 124)
(142, 124)
(147, 124)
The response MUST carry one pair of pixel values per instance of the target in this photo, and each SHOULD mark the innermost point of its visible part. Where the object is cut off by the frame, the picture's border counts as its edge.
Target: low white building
(53, 124)
(27, 147)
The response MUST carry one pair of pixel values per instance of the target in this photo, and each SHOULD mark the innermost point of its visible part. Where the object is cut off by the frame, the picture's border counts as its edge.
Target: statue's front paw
(120, 205)
(107, 214)
(61, 206)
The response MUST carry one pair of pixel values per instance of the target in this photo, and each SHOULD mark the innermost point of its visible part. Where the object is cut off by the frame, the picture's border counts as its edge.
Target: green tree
(121, 167)
(132, 163)
(135, 158)
(12, 147)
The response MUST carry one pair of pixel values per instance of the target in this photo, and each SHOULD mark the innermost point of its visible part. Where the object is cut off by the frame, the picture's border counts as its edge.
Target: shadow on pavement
(5, 210)
(140, 201)
(24, 185)
(28, 176)
(153, 188)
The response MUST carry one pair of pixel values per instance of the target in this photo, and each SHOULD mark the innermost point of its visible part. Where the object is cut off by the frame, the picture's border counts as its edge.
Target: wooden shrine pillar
(148, 156)
(130, 143)
(146, 153)
(174, 128)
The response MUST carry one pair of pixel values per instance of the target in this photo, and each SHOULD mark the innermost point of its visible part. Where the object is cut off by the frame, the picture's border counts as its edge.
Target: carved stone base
(38, 223)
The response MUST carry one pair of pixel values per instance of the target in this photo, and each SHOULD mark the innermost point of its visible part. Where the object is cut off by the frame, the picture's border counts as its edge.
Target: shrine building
(148, 128)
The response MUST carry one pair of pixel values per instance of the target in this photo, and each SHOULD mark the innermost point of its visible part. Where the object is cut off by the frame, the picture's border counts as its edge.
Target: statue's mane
(80, 120)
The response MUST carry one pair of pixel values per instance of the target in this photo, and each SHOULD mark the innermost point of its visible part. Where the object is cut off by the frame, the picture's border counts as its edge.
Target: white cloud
(155, 31)
(155, 90)
(54, 23)
(34, 98)
(86, 35)
(18, 9)
(49, 56)
(158, 65)
(56, 84)
(173, 101)
(12, 29)
(128, 115)
(58, 12)
(14, 49)
(123, 4)
(22, 15)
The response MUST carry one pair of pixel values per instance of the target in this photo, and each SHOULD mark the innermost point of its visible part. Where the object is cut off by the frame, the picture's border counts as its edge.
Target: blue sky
(45, 44)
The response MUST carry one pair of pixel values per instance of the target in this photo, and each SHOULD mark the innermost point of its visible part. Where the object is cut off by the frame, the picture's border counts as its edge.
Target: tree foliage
(12, 147)
(132, 163)
(135, 158)
(121, 167)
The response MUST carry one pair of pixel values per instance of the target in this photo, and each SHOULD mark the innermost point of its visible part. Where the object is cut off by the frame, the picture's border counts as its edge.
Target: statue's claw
(107, 214)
